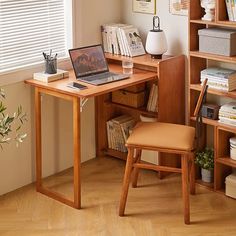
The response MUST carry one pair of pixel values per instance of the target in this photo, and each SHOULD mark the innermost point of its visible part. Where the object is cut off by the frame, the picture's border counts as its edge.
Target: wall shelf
(198, 87)
(213, 57)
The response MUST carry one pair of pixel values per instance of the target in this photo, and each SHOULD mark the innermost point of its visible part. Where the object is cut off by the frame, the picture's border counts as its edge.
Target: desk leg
(77, 152)
(76, 203)
(38, 139)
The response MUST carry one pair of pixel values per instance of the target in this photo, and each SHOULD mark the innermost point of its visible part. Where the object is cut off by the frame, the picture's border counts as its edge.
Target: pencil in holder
(51, 65)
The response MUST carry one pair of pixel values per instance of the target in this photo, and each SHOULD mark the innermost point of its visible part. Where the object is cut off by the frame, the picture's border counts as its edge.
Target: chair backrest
(201, 99)
(198, 114)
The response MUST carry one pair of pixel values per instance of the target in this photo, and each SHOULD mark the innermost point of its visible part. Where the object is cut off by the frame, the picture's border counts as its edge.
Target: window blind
(28, 28)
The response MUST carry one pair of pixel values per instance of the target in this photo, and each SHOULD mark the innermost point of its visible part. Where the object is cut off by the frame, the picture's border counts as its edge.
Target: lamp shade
(156, 43)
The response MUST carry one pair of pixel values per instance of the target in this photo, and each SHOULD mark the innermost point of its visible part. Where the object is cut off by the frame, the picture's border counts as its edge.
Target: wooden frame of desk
(59, 89)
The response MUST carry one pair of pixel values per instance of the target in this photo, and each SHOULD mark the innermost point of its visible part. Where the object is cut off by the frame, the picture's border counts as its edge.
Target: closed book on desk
(44, 77)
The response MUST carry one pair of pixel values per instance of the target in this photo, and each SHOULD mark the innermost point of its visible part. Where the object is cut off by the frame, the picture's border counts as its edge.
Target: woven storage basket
(136, 88)
(128, 98)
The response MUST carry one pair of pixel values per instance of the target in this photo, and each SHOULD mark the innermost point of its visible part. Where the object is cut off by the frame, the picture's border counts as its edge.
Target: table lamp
(156, 43)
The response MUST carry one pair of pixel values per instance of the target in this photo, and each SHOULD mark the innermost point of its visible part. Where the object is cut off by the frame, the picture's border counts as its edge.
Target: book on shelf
(231, 11)
(44, 77)
(121, 39)
(118, 130)
(227, 113)
(219, 78)
(153, 98)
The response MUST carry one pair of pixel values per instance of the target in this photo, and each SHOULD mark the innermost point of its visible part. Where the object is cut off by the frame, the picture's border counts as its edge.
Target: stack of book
(118, 130)
(45, 77)
(122, 39)
(153, 98)
(231, 9)
(227, 113)
(219, 78)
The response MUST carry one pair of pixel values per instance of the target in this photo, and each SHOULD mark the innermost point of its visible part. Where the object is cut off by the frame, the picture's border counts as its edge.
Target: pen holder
(51, 66)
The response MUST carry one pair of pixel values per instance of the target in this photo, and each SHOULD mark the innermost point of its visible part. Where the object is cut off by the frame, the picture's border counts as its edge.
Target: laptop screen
(88, 60)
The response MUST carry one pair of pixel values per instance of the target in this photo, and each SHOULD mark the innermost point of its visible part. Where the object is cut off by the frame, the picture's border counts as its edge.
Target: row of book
(118, 130)
(219, 78)
(227, 113)
(153, 98)
(231, 9)
(122, 39)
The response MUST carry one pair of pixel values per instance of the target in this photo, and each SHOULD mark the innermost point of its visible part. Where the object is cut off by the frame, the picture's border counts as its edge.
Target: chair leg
(192, 175)
(185, 187)
(126, 181)
(136, 170)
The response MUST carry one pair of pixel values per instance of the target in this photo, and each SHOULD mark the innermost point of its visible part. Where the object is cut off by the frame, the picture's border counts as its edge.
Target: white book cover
(233, 10)
(44, 77)
(219, 72)
(229, 9)
(134, 42)
(229, 107)
(125, 43)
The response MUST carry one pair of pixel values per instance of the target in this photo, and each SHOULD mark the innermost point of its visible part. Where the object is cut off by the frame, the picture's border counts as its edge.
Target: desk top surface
(60, 86)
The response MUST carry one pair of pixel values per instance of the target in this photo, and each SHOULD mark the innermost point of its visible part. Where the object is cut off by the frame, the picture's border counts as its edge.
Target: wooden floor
(155, 208)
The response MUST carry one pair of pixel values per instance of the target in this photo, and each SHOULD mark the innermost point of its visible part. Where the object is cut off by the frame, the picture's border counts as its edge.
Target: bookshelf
(197, 62)
(170, 78)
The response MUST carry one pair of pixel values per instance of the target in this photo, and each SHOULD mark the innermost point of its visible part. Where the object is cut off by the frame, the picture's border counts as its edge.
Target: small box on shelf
(230, 185)
(128, 98)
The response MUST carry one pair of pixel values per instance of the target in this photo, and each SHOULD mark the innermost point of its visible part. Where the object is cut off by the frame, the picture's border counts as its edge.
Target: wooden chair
(166, 138)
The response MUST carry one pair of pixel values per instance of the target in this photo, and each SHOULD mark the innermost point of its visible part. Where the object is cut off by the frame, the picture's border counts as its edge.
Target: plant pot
(207, 175)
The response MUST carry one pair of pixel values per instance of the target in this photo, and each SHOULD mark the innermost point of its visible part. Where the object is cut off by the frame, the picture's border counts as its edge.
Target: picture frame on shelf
(179, 7)
(144, 6)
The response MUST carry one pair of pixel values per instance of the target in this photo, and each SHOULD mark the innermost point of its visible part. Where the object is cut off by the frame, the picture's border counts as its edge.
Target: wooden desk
(59, 89)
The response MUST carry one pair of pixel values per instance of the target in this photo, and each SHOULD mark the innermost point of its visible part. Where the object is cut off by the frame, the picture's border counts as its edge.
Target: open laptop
(90, 66)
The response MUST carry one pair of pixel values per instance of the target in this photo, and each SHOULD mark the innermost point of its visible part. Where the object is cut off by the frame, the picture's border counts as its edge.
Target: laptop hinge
(83, 101)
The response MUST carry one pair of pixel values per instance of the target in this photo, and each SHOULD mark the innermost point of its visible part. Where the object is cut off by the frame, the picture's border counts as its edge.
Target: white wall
(175, 26)
(17, 165)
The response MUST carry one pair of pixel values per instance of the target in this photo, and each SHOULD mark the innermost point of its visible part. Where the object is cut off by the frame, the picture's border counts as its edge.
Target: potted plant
(10, 124)
(205, 159)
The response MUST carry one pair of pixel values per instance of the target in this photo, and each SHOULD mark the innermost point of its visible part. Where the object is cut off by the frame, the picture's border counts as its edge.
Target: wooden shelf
(226, 161)
(226, 23)
(141, 110)
(198, 61)
(198, 87)
(218, 124)
(209, 186)
(212, 56)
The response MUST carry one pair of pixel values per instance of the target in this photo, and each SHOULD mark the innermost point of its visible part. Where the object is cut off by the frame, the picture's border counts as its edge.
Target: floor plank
(153, 209)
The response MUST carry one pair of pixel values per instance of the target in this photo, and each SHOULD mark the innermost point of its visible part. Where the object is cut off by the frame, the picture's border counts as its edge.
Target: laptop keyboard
(99, 76)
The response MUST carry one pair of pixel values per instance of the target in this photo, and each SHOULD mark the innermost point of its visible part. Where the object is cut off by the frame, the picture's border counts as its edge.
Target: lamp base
(156, 56)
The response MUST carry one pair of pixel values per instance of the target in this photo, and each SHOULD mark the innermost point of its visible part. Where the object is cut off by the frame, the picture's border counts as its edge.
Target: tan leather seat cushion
(162, 135)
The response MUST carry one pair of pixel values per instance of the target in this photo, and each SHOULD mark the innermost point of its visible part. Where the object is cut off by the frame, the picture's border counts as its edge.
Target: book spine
(125, 43)
(119, 37)
(104, 38)
(154, 103)
(229, 9)
(51, 78)
(150, 98)
(233, 9)
(108, 134)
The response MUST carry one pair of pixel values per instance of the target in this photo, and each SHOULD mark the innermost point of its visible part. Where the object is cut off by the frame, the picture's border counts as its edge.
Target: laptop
(90, 66)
